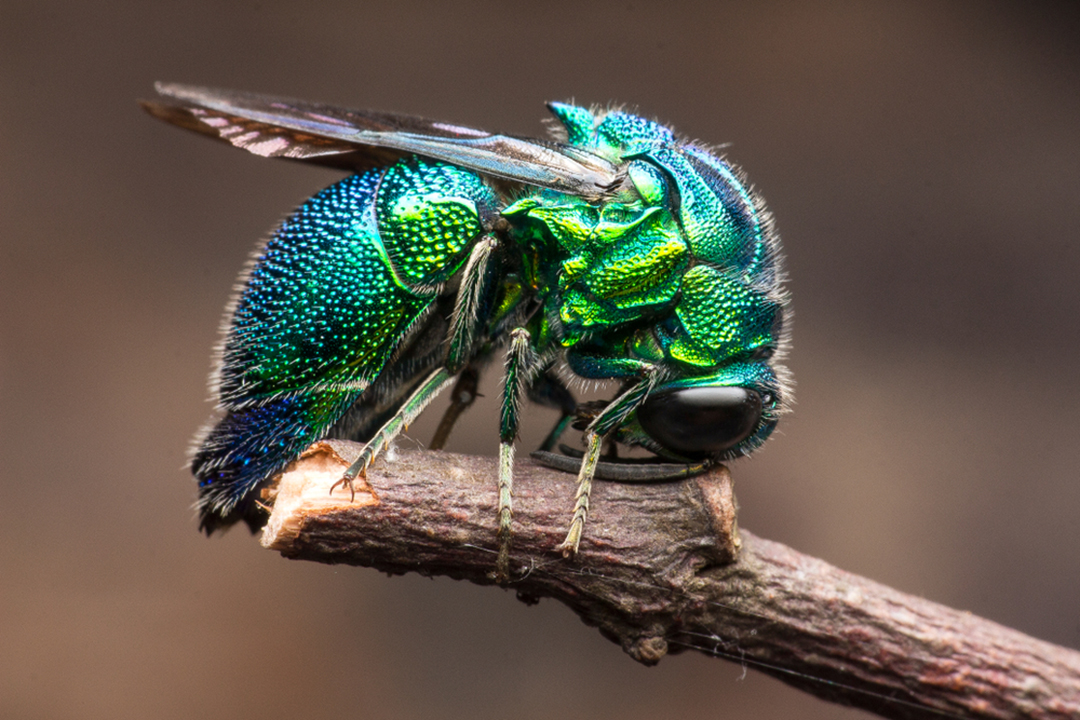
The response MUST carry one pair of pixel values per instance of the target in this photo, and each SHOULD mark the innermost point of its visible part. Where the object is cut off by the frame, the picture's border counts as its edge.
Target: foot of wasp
(348, 478)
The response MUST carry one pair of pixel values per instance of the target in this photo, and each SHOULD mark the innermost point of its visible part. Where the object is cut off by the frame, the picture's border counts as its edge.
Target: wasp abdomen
(333, 294)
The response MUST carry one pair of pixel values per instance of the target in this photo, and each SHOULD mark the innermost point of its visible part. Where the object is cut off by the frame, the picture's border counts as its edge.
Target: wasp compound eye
(700, 421)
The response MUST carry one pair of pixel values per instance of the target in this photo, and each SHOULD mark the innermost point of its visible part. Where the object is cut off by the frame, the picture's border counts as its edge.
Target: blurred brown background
(923, 163)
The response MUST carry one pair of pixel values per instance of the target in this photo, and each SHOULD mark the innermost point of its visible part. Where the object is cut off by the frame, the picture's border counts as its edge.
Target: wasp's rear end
(346, 282)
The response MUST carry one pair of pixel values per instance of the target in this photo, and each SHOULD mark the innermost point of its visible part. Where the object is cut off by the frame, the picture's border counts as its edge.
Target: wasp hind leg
(434, 384)
(463, 327)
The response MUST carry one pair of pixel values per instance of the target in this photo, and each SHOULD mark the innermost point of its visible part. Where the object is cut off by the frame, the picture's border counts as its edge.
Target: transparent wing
(360, 139)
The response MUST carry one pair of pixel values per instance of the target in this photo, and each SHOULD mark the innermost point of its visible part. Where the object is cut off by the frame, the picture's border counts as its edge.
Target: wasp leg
(624, 472)
(521, 364)
(556, 432)
(463, 395)
(462, 333)
(610, 418)
(435, 383)
(549, 390)
(464, 322)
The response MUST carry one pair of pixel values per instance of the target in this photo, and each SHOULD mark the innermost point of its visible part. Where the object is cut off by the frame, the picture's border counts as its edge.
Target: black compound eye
(700, 421)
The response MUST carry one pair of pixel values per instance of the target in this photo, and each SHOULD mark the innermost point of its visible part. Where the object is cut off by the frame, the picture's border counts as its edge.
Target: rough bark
(663, 568)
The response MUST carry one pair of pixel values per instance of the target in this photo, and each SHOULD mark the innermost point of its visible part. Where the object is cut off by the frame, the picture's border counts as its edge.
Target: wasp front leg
(610, 418)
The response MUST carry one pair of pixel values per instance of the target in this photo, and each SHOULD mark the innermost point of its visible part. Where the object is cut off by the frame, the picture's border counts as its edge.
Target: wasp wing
(360, 139)
(270, 140)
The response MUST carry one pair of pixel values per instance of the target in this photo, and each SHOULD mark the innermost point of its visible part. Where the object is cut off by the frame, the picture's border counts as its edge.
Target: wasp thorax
(701, 421)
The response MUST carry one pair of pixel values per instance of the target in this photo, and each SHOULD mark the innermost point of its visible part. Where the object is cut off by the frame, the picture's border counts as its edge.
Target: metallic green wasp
(615, 252)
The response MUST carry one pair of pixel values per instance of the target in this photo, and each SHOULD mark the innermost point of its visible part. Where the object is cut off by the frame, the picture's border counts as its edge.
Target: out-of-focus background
(923, 164)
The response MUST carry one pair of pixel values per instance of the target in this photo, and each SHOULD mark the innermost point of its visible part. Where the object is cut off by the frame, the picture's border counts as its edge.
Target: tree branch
(663, 568)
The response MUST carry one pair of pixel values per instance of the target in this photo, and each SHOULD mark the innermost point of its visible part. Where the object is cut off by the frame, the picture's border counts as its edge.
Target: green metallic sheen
(377, 291)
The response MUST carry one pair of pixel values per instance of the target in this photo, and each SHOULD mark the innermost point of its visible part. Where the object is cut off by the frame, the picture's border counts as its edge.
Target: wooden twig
(663, 568)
